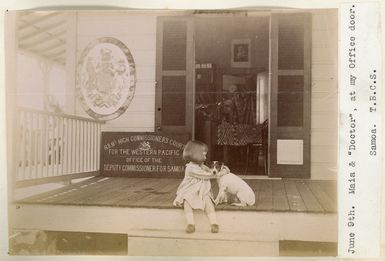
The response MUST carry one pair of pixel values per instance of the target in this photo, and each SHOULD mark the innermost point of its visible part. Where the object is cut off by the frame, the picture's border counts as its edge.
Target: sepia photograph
(172, 132)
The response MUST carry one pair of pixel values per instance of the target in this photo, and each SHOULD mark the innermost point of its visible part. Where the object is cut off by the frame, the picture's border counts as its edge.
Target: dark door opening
(242, 85)
(231, 93)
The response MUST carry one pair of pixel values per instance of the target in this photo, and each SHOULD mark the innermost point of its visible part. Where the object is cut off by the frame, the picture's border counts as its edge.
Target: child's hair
(191, 148)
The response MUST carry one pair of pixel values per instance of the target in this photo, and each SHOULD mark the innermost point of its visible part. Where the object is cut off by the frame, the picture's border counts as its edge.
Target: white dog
(232, 184)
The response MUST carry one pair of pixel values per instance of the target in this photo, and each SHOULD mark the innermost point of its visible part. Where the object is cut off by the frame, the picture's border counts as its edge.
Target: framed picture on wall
(240, 53)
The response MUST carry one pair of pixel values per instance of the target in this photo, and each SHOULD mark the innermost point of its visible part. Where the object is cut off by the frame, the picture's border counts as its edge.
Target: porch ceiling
(43, 33)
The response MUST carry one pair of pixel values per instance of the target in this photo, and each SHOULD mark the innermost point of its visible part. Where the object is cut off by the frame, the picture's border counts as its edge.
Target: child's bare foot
(214, 228)
(190, 228)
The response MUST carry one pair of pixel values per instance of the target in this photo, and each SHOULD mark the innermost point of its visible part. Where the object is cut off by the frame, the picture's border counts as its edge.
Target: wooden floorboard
(280, 201)
(61, 190)
(271, 195)
(326, 202)
(141, 192)
(158, 195)
(311, 202)
(329, 186)
(126, 192)
(83, 193)
(293, 196)
(103, 193)
(167, 199)
(58, 196)
(146, 196)
(265, 196)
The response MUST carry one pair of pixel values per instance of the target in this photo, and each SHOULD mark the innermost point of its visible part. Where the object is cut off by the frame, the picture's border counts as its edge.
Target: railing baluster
(92, 137)
(78, 147)
(50, 144)
(81, 155)
(58, 146)
(22, 157)
(50, 134)
(29, 140)
(40, 144)
(46, 144)
(89, 146)
(74, 131)
(55, 147)
(68, 147)
(98, 146)
(61, 144)
(82, 146)
(65, 146)
(35, 148)
(30, 143)
(73, 155)
(85, 135)
(29, 146)
(19, 147)
(85, 148)
(48, 147)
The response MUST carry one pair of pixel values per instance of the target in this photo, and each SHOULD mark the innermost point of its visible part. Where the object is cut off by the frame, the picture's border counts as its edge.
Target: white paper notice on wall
(359, 179)
(290, 152)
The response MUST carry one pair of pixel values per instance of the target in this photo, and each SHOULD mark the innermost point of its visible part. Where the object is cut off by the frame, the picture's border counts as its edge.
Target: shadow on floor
(67, 243)
(81, 243)
(306, 248)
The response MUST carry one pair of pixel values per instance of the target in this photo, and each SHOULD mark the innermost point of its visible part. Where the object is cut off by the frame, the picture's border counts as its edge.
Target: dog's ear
(211, 164)
(220, 166)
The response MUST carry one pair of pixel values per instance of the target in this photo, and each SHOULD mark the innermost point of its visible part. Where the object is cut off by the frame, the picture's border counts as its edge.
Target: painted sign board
(142, 154)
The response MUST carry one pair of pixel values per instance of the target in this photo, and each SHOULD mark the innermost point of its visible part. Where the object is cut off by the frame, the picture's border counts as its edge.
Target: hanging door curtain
(238, 134)
(238, 127)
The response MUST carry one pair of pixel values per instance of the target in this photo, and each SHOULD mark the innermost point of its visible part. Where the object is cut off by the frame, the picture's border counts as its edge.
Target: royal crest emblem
(106, 78)
(145, 145)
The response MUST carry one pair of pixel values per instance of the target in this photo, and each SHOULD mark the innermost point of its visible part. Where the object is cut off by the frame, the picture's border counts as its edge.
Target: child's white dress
(193, 187)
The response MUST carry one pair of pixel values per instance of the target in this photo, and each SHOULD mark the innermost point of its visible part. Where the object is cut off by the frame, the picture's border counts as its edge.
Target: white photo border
(160, 5)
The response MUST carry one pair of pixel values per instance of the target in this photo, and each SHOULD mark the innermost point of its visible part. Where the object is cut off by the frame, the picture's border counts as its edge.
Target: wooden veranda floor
(271, 195)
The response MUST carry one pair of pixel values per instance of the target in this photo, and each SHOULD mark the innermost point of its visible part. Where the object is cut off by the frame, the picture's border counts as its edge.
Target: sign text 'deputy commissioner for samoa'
(142, 154)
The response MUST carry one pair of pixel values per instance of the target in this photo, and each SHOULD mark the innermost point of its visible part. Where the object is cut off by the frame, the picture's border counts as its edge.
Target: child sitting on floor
(195, 190)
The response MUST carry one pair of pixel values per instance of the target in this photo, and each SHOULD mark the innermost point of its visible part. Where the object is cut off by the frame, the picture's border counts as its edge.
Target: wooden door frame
(188, 73)
(274, 72)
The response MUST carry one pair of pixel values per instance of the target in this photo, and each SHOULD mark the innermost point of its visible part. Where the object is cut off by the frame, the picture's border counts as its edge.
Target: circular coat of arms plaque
(106, 78)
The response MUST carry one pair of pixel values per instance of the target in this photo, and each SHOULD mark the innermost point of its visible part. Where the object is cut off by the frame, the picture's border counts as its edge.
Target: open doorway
(231, 90)
(227, 61)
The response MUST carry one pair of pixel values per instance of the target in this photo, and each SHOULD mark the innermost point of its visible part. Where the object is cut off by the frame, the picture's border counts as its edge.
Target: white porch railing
(51, 146)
